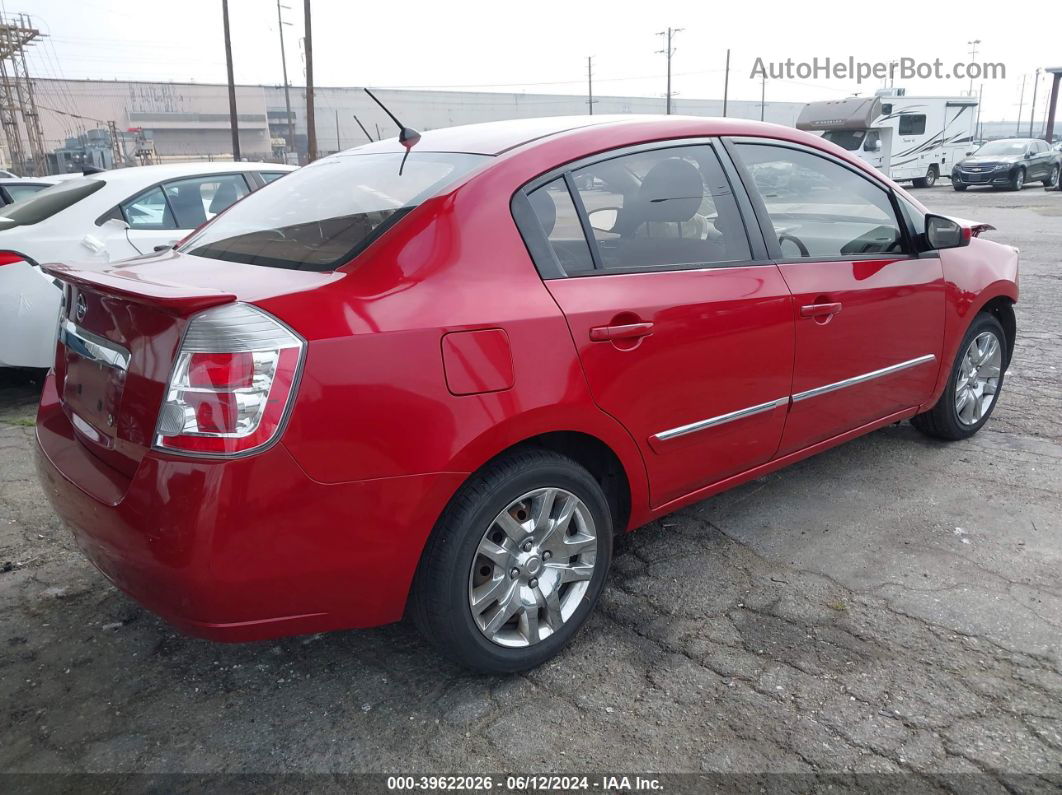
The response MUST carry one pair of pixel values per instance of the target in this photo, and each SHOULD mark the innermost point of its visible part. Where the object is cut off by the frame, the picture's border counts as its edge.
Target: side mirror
(943, 232)
(603, 219)
(1028, 155)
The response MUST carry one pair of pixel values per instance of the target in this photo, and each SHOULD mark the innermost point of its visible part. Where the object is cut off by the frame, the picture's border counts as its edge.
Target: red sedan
(440, 381)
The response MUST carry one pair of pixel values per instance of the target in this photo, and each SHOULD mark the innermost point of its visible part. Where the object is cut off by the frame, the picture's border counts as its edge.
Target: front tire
(1052, 178)
(974, 384)
(958, 187)
(1017, 180)
(515, 564)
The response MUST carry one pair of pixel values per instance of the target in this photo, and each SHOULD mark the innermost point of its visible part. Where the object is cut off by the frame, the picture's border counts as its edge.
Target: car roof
(499, 137)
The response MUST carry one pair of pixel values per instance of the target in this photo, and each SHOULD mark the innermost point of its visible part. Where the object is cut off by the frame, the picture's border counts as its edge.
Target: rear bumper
(242, 549)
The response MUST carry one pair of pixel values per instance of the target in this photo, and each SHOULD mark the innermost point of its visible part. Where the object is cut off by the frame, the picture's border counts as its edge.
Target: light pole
(973, 57)
(284, 64)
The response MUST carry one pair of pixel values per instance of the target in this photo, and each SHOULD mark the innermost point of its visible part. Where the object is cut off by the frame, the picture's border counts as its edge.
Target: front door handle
(626, 331)
(820, 310)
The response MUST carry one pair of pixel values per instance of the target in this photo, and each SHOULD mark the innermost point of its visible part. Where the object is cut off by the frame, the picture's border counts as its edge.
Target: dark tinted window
(912, 124)
(48, 202)
(846, 139)
(661, 208)
(556, 212)
(322, 215)
(818, 207)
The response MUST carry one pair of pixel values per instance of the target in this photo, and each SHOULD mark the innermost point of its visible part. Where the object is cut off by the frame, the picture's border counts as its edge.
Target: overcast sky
(542, 45)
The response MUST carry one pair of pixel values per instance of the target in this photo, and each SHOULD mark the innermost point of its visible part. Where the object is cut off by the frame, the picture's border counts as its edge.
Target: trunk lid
(120, 330)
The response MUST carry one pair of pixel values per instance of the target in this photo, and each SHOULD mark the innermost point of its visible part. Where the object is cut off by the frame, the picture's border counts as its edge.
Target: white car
(107, 216)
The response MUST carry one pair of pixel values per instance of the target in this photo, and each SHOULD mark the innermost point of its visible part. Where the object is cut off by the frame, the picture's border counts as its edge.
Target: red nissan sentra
(442, 380)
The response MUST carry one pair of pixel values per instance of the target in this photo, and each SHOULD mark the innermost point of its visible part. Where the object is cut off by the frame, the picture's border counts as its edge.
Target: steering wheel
(796, 241)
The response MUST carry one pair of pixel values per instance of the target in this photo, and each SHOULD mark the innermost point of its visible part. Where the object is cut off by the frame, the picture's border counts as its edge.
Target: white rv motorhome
(907, 138)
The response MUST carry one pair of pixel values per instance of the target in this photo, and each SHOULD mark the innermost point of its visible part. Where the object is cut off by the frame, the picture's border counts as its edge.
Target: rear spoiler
(130, 285)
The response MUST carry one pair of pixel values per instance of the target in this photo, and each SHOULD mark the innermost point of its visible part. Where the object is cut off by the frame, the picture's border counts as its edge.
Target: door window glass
(148, 211)
(662, 208)
(195, 201)
(819, 208)
(556, 213)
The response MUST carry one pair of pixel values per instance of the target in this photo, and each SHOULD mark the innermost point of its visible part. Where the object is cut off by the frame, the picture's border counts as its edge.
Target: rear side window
(195, 201)
(323, 215)
(560, 222)
(20, 192)
(912, 124)
(662, 208)
(46, 203)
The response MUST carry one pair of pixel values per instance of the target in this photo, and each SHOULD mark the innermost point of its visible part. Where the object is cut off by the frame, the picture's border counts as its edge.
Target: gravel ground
(891, 606)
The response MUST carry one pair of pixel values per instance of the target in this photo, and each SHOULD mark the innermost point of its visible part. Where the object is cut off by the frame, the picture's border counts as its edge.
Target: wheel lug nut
(547, 555)
(534, 582)
(527, 546)
(514, 573)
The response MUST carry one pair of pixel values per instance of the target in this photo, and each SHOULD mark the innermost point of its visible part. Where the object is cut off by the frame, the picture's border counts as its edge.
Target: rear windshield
(323, 215)
(46, 203)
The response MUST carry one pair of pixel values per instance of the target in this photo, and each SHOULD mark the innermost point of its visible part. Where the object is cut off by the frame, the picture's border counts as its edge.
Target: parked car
(105, 217)
(440, 384)
(1009, 163)
(15, 190)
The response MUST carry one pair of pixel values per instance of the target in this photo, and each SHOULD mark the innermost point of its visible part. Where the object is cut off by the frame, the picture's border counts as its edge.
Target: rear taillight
(232, 383)
(11, 257)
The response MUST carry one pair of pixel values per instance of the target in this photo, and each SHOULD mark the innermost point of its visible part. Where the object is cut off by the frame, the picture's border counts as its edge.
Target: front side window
(912, 124)
(820, 209)
(662, 208)
(329, 211)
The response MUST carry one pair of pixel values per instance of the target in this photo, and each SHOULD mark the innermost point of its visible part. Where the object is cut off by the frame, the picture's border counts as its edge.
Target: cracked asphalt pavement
(891, 606)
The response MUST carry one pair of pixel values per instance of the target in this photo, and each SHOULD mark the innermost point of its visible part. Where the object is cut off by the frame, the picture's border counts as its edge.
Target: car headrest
(545, 208)
(223, 196)
(671, 191)
(187, 205)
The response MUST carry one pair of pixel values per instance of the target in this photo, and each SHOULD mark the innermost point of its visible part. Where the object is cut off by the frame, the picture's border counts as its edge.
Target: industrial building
(156, 122)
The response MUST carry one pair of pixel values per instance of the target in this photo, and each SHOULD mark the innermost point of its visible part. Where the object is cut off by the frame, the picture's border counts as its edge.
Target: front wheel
(958, 187)
(1052, 178)
(516, 563)
(1017, 181)
(973, 386)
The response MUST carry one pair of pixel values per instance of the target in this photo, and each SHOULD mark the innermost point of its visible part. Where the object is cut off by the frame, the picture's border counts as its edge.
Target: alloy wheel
(977, 382)
(532, 567)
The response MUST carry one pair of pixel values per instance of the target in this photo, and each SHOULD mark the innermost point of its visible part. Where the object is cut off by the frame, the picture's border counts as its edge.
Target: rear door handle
(627, 331)
(819, 310)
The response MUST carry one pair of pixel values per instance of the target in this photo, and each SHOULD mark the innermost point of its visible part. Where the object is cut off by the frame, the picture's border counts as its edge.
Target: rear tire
(530, 600)
(953, 418)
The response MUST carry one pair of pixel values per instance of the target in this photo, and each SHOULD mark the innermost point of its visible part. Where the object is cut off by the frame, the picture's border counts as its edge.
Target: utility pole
(233, 122)
(311, 124)
(973, 58)
(1032, 114)
(726, 81)
(590, 83)
(1021, 104)
(287, 89)
(763, 95)
(338, 147)
(17, 97)
(977, 124)
(668, 52)
(116, 148)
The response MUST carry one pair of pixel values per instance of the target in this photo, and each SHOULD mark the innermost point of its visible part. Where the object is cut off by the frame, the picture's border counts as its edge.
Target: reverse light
(232, 383)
